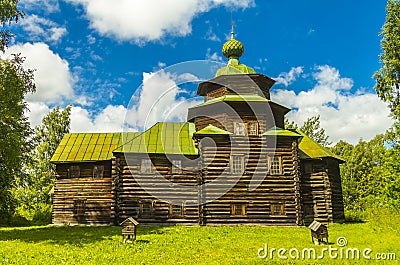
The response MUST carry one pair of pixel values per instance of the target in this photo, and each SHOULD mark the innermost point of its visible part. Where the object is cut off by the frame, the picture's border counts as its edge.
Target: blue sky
(96, 54)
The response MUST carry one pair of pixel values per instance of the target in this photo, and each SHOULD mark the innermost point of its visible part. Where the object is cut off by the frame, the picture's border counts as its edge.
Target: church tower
(250, 166)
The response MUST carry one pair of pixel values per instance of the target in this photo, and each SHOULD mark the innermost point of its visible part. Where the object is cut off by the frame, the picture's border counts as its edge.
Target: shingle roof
(229, 97)
(163, 138)
(311, 149)
(276, 131)
(212, 130)
(88, 146)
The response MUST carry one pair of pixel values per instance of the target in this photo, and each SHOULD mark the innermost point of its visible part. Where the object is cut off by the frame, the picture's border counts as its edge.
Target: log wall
(83, 200)
(157, 202)
(271, 190)
(321, 191)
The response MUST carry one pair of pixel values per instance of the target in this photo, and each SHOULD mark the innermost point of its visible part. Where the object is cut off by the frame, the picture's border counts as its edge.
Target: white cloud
(213, 56)
(288, 78)
(150, 20)
(210, 35)
(42, 29)
(53, 78)
(49, 6)
(37, 111)
(344, 115)
(110, 119)
(160, 99)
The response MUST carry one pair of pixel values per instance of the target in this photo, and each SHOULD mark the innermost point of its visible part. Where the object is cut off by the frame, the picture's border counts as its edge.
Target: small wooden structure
(318, 231)
(129, 229)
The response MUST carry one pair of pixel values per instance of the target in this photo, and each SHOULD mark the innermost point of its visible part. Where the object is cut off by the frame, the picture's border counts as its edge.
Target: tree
(362, 178)
(388, 77)
(290, 124)
(390, 178)
(9, 13)
(15, 83)
(33, 194)
(311, 127)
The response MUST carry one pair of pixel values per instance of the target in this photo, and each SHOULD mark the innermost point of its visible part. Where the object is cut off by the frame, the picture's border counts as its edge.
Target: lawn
(188, 245)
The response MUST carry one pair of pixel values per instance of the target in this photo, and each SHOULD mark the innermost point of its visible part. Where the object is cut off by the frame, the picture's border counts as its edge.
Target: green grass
(182, 245)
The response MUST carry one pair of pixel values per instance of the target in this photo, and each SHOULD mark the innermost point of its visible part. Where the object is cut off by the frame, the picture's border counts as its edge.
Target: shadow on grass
(70, 235)
(353, 220)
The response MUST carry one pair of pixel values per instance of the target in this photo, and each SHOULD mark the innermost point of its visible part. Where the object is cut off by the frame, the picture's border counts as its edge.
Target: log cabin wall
(336, 190)
(80, 197)
(239, 84)
(321, 188)
(219, 92)
(273, 202)
(132, 200)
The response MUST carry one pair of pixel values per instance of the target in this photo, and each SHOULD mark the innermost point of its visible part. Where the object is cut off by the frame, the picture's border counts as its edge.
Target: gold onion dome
(233, 48)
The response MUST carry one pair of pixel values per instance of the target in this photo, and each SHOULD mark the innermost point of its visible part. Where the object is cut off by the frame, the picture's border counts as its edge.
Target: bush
(39, 215)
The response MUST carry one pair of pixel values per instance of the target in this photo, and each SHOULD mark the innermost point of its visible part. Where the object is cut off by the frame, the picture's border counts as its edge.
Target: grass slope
(183, 245)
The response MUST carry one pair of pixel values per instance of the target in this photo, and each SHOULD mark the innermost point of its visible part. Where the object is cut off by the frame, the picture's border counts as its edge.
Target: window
(98, 171)
(176, 166)
(145, 209)
(277, 209)
(308, 209)
(307, 168)
(253, 128)
(318, 168)
(146, 166)
(176, 211)
(239, 128)
(79, 207)
(74, 172)
(237, 164)
(238, 209)
(274, 165)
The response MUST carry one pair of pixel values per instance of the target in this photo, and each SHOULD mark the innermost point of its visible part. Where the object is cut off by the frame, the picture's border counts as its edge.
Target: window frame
(76, 169)
(142, 205)
(281, 206)
(149, 165)
(176, 169)
(271, 169)
(249, 131)
(79, 207)
(308, 168)
(233, 164)
(235, 126)
(96, 169)
(172, 211)
(242, 207)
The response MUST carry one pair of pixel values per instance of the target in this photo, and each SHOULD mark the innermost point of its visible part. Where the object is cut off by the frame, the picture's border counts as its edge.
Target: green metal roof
(276, 131)
(212, 130)
(311, 149)
(162, 138)
(234, 68)
(233, 98)
(88, 146)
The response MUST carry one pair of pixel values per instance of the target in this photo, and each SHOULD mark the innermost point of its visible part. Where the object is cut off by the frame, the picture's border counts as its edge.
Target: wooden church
(231, 163)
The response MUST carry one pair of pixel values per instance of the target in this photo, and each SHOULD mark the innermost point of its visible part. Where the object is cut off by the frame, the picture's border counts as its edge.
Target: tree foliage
(9, 13)
(311, 127)
(15, 83)
(33, 195)
(388, 76)
(370, 176)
